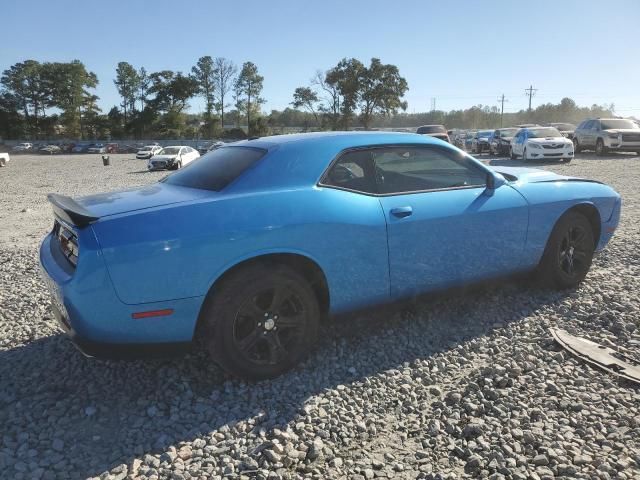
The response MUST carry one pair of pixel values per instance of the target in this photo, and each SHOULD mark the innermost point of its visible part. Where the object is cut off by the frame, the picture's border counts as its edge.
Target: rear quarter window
(216, 169)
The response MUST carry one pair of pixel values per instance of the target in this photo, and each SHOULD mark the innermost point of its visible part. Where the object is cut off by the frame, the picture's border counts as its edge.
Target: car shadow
(108, 412)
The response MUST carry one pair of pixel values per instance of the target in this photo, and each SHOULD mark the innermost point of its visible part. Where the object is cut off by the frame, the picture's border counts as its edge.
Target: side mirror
(494, 180)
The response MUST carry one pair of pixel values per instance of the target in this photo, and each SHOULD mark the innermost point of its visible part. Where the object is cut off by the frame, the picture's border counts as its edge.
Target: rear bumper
(119, 351)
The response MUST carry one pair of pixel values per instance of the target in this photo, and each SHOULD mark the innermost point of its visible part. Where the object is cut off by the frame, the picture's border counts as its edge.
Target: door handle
(401, 212)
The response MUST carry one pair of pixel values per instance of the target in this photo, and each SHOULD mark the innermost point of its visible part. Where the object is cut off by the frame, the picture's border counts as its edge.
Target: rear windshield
(170, 151)
(217, 169)
(431, 129)
(613, 124)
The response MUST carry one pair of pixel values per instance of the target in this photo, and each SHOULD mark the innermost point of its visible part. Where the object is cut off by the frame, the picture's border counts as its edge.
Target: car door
(589, 139)
(444, 226)
(517, 144)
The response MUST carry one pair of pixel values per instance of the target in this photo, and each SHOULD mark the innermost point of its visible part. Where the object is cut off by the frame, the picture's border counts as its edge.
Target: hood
(164, 158)
(532, 175)
(549, 140)
(154, 195)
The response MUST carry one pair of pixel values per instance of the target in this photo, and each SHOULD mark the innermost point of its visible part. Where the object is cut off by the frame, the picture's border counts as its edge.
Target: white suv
(604, 134)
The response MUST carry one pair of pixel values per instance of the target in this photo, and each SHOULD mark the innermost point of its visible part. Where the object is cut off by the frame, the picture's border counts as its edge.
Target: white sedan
(23, 147)
(172, 158)
(541, 143)
(145, 153)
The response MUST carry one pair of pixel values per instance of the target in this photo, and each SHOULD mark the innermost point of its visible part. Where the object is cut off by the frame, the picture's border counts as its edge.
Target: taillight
(68, 241)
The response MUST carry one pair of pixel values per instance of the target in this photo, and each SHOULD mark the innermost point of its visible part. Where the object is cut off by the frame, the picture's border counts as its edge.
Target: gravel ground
(464, 385)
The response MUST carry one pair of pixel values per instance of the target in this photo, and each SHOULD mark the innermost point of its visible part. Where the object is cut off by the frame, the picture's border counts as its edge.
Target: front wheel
(569, 252)
(512, 155)
(260, 322)
(600, 148)
(576, 145)
(524, 155)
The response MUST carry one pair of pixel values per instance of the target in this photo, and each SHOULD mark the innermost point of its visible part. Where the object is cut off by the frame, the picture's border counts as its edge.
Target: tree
(381, 91)
(204, 73)
(144, 82)
(346, 78)
(305, 97)
(30, 84)
(225, 71)
(249, 84)
(172, 90)
(127, 82)
(71, 83)
(331, 108)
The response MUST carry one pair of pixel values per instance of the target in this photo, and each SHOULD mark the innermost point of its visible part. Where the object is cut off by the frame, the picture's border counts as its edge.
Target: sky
(460, 53)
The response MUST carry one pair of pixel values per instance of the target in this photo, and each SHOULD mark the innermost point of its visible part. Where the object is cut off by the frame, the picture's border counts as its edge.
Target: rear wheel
(3, 162)
(261, 321)
(569, 252)
(524, 155)
(600, 148)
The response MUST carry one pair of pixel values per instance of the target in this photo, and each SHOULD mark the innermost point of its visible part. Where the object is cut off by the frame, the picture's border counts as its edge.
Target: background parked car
(148, 151)
(541, 143)
(468, 139)
(501, 141)
(566, 129)
(172, 158)
(604, 134)
(437, 131)
(81, 147)
(215, 146)
(480, 141)
(97, 148)
(50, 149)
(22, 147)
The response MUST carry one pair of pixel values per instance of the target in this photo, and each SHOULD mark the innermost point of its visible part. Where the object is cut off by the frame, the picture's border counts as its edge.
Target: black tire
(524, 155)
(600, 148)
(569, 252)
(568, 160)
(260, 322)
(576, 146)
(512, 155)
(178, 165)
(3, 162)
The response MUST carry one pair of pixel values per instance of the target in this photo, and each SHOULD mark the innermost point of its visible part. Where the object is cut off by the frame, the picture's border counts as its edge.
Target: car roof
(299, 160)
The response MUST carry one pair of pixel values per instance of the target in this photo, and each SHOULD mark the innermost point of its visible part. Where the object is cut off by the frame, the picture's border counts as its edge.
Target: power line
(530, 92)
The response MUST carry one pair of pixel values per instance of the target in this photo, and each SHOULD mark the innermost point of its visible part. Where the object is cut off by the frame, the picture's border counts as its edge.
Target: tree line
(57, 100)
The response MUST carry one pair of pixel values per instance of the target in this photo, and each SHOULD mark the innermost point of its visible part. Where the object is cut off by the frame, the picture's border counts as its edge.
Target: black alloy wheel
(569, 252)
(268, 325)
(260, 322)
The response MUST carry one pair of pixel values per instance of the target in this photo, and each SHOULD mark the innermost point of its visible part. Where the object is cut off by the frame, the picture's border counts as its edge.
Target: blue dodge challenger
(247, 248)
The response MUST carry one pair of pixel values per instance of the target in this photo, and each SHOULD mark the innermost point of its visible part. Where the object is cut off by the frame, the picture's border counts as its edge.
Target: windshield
(431, 129)
(509, 132)
(170, 151)
(543, 132)
(485, 133)
(217, 169)
(616, 124)
(564, 126)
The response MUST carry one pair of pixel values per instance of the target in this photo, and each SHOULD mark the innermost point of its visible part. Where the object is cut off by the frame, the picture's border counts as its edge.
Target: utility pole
(501, 100)
(530, 92)
(433, 104)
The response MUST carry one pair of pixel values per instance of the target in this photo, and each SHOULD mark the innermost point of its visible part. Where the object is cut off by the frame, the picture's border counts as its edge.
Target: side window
(353, 171)
(588, 125)
(411, 169)
(596, 125)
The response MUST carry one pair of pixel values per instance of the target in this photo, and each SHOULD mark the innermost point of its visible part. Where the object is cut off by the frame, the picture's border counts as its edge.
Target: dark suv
(437, 131)
(607, 134)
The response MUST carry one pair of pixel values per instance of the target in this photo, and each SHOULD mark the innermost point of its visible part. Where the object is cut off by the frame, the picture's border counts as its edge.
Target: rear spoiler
(71, 211)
